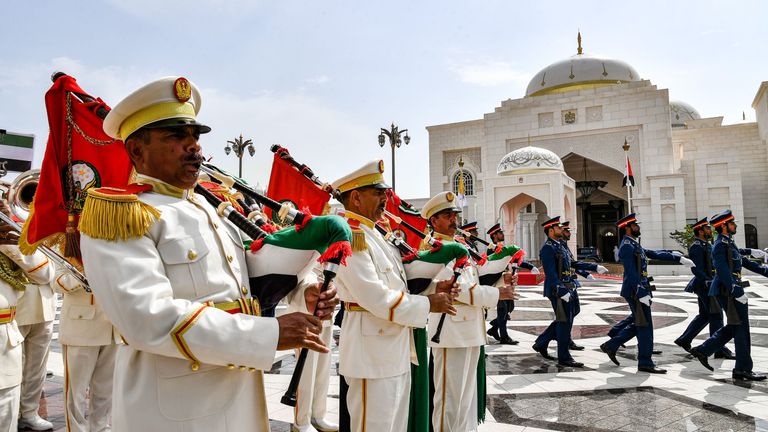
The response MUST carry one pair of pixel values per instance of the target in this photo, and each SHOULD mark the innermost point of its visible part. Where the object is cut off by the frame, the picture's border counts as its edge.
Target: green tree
(683, 237)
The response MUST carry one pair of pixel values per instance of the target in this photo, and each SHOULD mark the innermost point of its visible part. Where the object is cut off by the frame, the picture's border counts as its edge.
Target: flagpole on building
(628, 178)
(461, 188)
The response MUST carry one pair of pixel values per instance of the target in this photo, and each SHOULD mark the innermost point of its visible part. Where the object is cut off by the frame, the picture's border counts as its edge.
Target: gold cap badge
(449, 196)
(381, 166)
(182, 90)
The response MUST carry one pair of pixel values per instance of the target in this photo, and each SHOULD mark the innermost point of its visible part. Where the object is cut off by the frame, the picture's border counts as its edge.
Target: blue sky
(322, 77)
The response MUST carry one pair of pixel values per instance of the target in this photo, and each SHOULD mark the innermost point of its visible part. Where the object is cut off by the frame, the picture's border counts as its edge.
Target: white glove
(601, 269)
(677, 253)
(590, 277)
(535, 270)
(742, 299)
(646, 300)
(566, 298)
(757, 253)
(765, 258)
(686, 262)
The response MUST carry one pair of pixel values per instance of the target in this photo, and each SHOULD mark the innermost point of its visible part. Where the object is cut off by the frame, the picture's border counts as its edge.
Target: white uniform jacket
(82, 322)
(467, 327)
(10, 337)
(377, 342)
(38, 304)
(185, 363)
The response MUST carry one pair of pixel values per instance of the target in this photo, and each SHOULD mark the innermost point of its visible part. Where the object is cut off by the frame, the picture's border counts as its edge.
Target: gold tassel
(358, 240)
(116, 217)
(72, 238)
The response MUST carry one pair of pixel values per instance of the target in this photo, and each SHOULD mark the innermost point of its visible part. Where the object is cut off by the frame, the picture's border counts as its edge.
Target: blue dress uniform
(559, 282)
(700, 252)
(727, 287)
(503, 308)
(635, 286)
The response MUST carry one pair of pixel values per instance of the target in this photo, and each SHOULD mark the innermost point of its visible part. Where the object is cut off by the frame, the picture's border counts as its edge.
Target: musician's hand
(507, 292)
(299, 330)
(441, 303)
(322, 303)
(452, 289)
(510, 278)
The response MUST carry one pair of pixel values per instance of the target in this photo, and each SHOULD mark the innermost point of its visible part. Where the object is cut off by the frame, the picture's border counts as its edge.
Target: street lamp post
(394, 135)
(238, 147)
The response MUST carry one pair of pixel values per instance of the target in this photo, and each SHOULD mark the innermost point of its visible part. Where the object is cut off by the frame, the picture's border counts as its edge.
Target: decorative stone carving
(528, 160)
(569, 116)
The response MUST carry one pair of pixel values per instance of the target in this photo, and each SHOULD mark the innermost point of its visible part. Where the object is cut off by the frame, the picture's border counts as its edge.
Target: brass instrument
(20, 194)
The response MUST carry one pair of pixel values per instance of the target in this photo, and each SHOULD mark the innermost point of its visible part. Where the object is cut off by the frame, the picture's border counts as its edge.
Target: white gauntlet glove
(590, 277)
(757, 253)
(535, 270)
(686, 262)
(742, 299)
(601, 270)
(566, 298)
(646, 300)
(677, 253)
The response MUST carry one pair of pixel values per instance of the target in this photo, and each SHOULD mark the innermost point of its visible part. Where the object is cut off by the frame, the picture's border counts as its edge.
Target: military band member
(710, 312)
(498, 328)
(457, 354)
(88, 342)
(559, 288)
(728, 287)
(17, 273)
(376, 342)
(171, 277)
(34, 316)
(471, 227)
(636, 289)
(582, 268)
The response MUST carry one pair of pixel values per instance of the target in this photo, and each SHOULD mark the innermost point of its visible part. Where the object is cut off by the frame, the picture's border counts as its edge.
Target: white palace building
(533, 158)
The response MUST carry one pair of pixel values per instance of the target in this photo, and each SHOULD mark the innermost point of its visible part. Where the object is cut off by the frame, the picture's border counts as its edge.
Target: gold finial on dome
(579, 50)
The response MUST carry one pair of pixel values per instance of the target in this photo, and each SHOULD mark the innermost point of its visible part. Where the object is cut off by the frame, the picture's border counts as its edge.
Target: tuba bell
(21, 192)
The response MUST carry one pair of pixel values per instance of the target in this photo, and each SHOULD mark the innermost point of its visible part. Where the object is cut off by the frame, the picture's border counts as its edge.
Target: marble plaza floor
(527, 392)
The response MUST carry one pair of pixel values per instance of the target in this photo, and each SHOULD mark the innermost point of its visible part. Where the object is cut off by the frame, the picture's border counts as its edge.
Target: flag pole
(626, 173)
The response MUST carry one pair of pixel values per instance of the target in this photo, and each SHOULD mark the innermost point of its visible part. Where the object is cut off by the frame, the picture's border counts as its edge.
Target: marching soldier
(498, 328)
(376, 339)
(637, 290)
(583, 269)
(710, 312)
(728, 287)
(88, 341)
(471, 227)
(559, 288)
(171, 277)
(457, 354)
(17, 272)
(34, 316)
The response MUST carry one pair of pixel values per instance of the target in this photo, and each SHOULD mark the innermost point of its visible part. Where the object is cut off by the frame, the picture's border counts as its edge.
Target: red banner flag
(78, 156)
(288, 185)
(409, 215)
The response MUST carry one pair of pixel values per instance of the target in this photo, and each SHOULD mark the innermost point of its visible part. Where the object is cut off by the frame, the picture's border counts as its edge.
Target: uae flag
(288, 185)
(15, 152)
(497, 262)
(628, 177)
(279, 261)
(78, 156)
(427, 265)
(409, 215)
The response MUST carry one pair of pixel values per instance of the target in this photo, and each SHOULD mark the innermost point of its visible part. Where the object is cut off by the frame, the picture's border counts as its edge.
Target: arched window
(750, 236)
(469, 184)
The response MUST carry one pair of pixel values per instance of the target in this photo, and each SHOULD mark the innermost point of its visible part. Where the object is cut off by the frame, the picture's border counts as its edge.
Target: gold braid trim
(12, 274)
(358, 240)
(116, 217)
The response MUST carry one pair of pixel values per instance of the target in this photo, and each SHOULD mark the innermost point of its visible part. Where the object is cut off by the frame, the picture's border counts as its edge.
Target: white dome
(529, 160)
(580, 71)
(680, 113)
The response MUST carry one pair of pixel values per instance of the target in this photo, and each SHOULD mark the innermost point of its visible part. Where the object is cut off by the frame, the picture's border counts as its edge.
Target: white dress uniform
(187, 365)
(88, 341)
(312, 393)
(455, 357)
(376, 342)
(35, 266)
(34, 316)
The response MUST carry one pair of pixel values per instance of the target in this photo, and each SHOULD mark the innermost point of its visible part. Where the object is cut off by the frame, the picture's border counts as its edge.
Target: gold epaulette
(117, 213)
(358, 236)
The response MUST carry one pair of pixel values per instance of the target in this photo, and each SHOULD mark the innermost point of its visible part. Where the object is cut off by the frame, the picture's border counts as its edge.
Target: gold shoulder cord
(12, 274)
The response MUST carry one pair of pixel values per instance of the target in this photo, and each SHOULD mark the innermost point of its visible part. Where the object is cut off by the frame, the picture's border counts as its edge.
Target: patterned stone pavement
(529, 393)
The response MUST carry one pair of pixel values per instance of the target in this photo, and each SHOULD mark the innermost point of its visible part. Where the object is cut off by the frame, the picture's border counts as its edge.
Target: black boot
(747, 376)
(493, 332)
(684, 345)
(611, 354)
(574, 347)
(701, 358)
